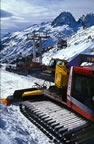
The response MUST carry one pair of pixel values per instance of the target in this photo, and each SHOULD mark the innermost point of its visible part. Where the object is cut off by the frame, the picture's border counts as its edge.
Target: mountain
(15, 45)
(80, 42)
(65, 18)
(88, 20)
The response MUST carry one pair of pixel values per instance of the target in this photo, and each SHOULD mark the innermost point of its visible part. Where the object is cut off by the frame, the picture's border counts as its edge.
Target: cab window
(83, 89)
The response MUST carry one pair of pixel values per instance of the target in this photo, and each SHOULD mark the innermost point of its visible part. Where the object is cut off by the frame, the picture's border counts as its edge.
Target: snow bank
(14, 127)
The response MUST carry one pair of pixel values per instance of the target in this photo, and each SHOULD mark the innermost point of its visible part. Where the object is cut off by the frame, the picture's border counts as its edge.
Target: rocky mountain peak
(88, 20)
(65, 18)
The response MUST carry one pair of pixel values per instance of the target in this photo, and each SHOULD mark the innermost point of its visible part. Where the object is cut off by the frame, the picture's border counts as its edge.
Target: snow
(14, 127)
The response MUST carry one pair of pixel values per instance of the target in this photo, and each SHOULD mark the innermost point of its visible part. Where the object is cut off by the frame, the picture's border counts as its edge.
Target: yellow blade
(4, 100)
(32, 93)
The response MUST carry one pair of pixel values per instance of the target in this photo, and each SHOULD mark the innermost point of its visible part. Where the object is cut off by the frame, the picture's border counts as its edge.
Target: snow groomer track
(61, 125)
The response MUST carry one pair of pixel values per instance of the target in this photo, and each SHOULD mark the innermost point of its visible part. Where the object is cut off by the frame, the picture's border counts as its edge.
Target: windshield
(51, 63)
(59, 62)
(20, 63)
(83, 90)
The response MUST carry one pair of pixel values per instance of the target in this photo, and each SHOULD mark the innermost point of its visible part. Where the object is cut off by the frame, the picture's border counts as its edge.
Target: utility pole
(37, 35)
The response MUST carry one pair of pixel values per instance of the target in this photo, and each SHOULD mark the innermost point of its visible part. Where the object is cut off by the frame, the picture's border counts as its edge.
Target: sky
(20, 14)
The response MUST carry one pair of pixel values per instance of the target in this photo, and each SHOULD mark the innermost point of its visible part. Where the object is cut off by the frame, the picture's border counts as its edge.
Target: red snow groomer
(25, 65)
(65, 110)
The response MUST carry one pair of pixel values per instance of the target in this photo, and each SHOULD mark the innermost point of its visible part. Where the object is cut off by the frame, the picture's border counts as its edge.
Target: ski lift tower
(37, 35)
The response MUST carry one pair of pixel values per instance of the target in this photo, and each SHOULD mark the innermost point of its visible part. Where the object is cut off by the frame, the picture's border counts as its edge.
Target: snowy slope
(81, 42)
(15, 45)
(14, 127)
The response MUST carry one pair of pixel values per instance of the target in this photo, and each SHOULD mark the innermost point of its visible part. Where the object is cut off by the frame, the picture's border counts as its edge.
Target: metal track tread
(58, 123)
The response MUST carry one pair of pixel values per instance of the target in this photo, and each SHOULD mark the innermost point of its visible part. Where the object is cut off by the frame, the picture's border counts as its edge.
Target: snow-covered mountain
(88, 20)
(80, 42)
(15, 45)
(65, 18)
